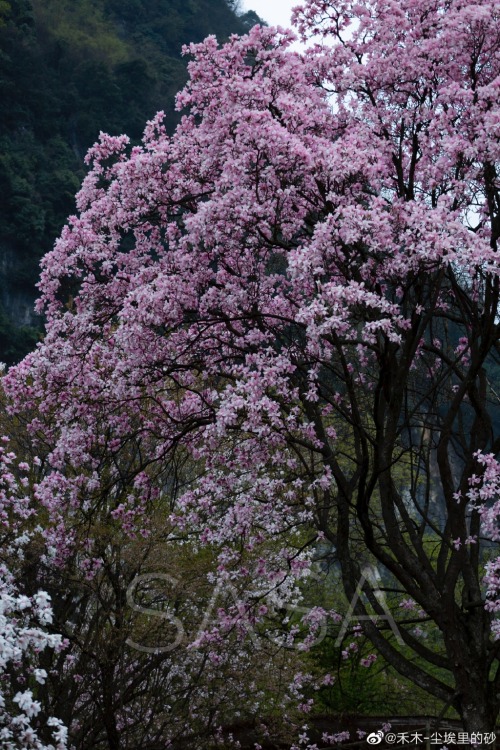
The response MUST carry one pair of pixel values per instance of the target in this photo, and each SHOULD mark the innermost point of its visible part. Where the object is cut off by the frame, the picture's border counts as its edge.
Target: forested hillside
(68, 69)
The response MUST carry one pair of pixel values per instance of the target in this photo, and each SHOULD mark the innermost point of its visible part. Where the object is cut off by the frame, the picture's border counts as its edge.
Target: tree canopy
(295, 298)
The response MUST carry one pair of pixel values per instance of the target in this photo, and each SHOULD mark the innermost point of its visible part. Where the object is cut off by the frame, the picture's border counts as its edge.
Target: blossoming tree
(23, 623)
(300, 289)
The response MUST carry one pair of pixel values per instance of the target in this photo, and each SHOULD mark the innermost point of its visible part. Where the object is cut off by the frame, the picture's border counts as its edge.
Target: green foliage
(82, 27)
(15, 341)
(341, 650)
(366, 691)
(5, 11)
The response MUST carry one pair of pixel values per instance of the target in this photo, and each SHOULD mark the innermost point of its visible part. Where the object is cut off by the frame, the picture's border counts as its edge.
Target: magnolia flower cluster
(484, 493)
(23, 622)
